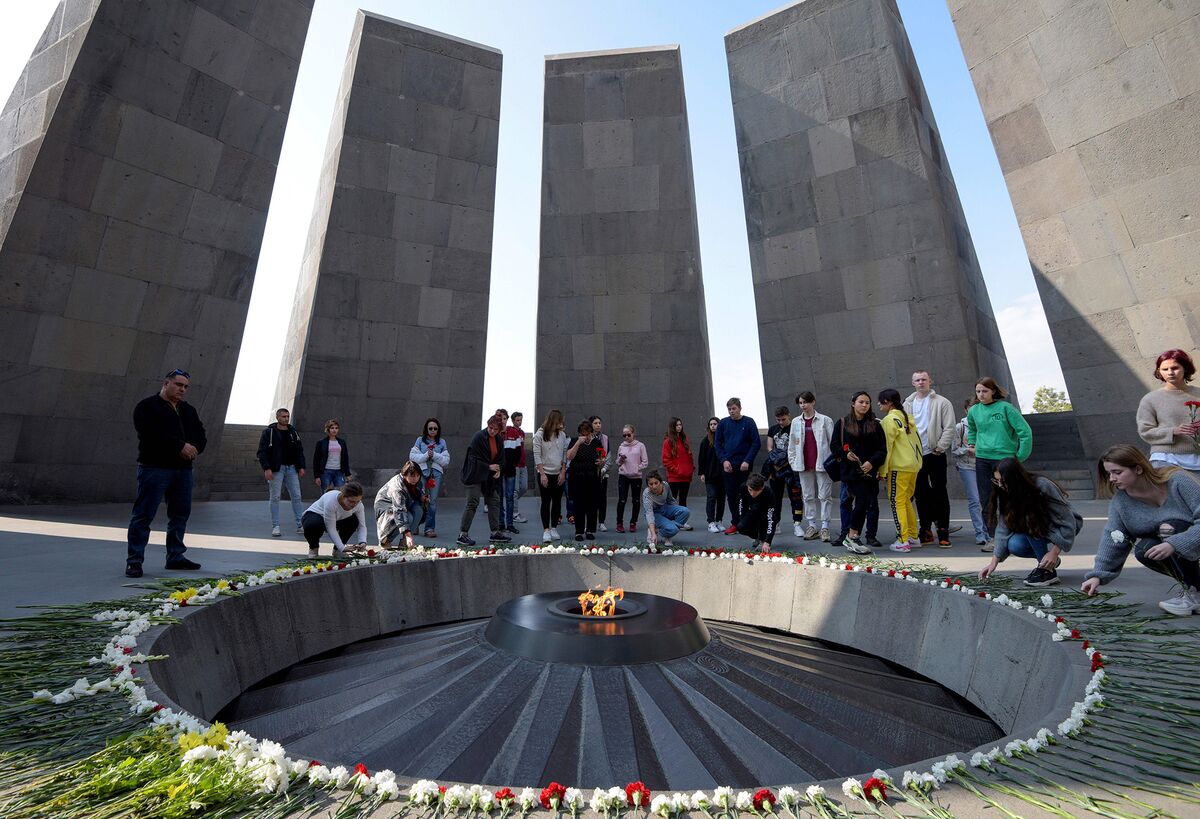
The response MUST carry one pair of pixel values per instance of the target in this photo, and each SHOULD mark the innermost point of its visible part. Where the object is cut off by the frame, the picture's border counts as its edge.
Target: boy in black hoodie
(757, 512)
(281, 456)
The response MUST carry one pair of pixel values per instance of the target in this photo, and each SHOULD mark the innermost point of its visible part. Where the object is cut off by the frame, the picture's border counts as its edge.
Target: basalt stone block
(618, 213)
(405, 210)
(842, 178)
(1091, 107)
(140, 149)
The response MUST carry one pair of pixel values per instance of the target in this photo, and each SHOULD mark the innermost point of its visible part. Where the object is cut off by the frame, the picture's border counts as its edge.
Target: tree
(1048, 399)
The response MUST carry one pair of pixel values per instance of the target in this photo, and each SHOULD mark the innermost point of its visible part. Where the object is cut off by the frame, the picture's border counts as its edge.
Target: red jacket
(681, 467)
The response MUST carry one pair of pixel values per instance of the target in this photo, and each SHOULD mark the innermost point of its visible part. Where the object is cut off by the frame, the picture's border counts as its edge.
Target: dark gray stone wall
(862, 263)
(1094, 110)
(621, 323)
(137, 156)
(390, 318)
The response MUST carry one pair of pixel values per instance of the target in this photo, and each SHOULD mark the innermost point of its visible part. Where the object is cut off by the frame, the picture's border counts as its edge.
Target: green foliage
(1048, 399)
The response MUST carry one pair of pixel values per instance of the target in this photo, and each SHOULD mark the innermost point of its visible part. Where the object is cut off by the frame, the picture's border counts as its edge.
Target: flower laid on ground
(637, 794)
(552, 796)
(764, 801)
(875, 788)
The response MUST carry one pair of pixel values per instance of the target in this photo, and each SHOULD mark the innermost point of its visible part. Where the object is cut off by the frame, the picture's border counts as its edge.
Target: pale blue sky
(527, 30)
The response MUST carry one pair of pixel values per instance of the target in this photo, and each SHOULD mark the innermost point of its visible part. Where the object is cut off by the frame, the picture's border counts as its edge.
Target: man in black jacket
(281, 456)
(756, 505)
(481, 476)
(170, 436)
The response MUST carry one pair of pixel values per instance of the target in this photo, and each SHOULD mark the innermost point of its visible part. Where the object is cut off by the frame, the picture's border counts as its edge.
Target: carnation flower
(814, 793)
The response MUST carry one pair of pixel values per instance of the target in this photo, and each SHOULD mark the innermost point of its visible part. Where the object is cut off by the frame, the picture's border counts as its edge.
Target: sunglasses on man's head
(176, 372)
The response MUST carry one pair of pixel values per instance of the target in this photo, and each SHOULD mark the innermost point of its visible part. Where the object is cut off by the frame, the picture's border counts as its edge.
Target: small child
(757, 512)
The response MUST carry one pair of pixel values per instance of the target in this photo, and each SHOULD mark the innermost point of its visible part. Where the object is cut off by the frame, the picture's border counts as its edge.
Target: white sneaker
(1183, 604)
(687, 527)
(901, 546)
(825, 534)
(713, 527)
(602, 527)
(798, 529)
(554, 535)
(274, 531)
(313, 554)
(548, 535)
(666, 543)
(519, 518)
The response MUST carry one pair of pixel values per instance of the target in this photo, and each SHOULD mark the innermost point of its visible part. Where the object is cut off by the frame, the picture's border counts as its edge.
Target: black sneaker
(498, 536)
(872, 541)
(133, 570)
(182, 564)
(465, 540)
(1041, 577)
(512, 530)
(590, 535)
(579, 538)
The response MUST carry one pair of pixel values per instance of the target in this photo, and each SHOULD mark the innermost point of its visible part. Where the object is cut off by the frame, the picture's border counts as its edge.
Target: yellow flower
(222, 585)
(183, 596)
(216, 735)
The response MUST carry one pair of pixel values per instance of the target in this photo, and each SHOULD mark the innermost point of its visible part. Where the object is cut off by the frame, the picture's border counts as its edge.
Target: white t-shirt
(334, 461)
(331, 511)
(920, 409)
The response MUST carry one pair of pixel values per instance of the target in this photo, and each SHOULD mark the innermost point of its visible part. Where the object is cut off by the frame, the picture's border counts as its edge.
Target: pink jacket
(635, 461)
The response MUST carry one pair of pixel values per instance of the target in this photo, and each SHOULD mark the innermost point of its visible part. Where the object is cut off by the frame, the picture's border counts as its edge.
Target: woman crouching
(1032, 518)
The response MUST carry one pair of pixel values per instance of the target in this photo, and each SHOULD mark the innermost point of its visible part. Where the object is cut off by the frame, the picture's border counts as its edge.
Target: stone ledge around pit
(1000, 659)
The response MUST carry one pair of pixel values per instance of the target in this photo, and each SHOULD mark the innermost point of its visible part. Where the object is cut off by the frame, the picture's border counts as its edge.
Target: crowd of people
(906, 444)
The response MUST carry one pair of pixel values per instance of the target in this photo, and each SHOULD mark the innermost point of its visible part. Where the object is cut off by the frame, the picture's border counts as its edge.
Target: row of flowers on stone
(266, 762)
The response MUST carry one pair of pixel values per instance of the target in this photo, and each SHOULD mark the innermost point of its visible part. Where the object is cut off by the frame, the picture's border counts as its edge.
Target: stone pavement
(68, 554)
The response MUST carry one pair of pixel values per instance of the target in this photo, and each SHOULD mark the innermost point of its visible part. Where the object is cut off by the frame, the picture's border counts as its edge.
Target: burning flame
(600, 603)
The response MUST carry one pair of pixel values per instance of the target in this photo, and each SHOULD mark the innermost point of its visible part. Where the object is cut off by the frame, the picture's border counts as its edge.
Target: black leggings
(585, 493)
(680, 490)
(314, 527)
(628, 486)
(551, 501)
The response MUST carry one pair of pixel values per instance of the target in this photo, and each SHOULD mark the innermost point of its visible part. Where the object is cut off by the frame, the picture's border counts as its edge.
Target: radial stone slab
(749, 706)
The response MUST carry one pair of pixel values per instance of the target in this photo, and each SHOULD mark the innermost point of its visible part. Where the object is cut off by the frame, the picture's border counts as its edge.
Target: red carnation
(875, 788)
(1058, 619)
(341, 565)
(849, 567)
(441, 788)
(845, 447)
(361, 770)
(370, 553)
(157, 707)
(1097, 662)
(1191, 403)
(637, 794)
(869, 570)
(764, 799)
(552, 795)
(904, 572)
(296, 574)
(431, 483)
(982, 594)
(1086, 644)
(504, 795)
(313, 763)
(891, 572)
(1074, 634)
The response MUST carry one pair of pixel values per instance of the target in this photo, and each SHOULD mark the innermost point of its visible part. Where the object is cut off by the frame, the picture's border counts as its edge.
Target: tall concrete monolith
(390, 318)
(621, 323)
(1093, 109)
(137, 156)
(862, 264)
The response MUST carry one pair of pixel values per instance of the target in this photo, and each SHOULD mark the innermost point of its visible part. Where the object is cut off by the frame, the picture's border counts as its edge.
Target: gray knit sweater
(1060, 528)
(1135, 519)
(1160, 412)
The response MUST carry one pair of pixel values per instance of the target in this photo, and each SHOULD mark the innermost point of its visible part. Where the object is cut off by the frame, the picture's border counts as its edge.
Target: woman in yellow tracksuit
(901, 467)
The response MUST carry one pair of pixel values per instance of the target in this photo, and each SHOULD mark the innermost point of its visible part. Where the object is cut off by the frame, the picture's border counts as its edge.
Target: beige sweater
(1160, 412)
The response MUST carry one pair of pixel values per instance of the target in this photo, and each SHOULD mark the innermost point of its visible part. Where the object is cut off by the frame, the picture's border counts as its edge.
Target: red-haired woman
(1166, 417)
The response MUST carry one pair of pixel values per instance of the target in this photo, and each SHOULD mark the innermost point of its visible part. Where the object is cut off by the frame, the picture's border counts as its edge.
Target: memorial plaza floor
(68, 554)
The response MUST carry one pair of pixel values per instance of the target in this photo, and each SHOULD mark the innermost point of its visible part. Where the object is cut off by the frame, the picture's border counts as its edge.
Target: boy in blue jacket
(737, 443)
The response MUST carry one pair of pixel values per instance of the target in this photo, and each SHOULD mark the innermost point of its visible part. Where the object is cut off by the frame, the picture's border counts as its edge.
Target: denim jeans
(332, 479)
(515, 487)
(1023, 545)
(971, 488)
(668, 519)
(154, 484)
(285, 475)
(871, 529)
(714, 501)
(432, 491)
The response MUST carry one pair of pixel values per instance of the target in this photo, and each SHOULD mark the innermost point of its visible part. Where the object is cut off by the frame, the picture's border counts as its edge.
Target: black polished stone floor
(753, 707)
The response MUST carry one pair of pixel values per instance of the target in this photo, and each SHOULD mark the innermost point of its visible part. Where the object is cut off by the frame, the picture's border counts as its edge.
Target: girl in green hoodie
(995, 430)
(901, 467)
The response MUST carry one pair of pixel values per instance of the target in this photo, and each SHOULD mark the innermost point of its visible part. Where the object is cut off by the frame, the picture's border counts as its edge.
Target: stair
(1058, 453)
(235, 474)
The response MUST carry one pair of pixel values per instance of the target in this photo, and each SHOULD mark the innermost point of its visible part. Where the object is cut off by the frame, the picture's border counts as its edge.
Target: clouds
(1030, 349)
